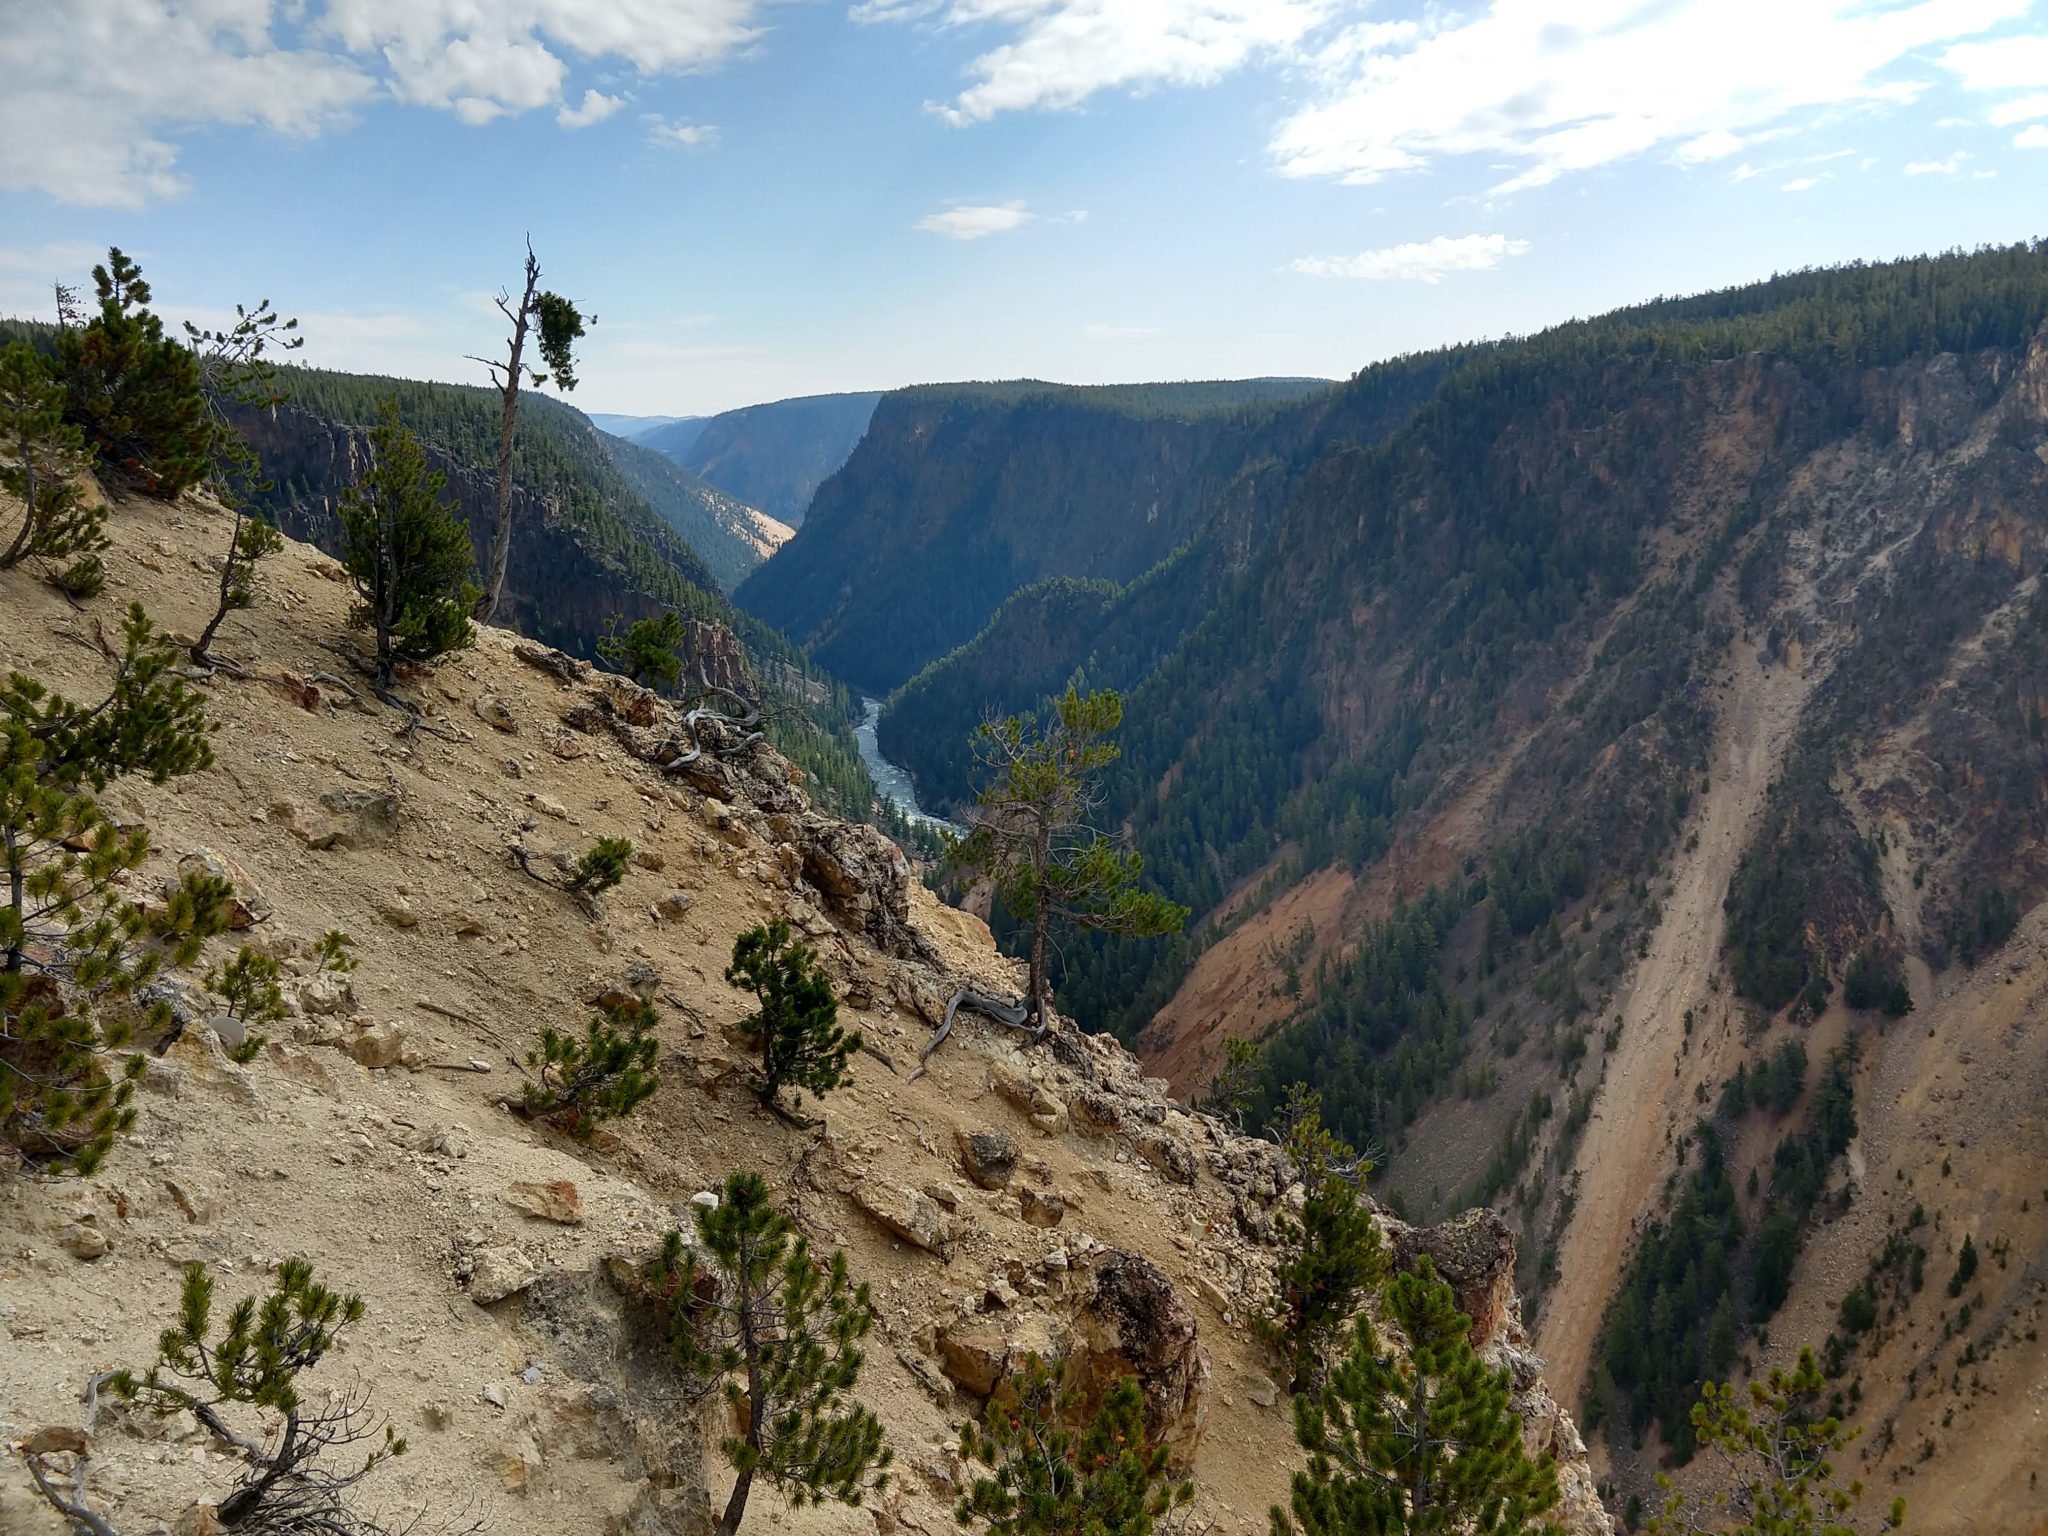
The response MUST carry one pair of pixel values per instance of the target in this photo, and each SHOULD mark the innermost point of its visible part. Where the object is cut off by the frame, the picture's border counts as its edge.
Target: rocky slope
(1007, 1198)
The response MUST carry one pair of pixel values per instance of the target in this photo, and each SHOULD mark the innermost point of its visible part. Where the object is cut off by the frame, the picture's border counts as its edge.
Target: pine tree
(782, 1336)
(132, 390)
(646, 652)
(1781, 1446)
(70, 942)
(1045, 1479)
(560, 325)
(1418, 1445)
(235, 368)
(41, 458)
(250, 1371)
(797, 1023)
(1030, 832)
(1330, 1254)
(603, 1076)
(407, 553)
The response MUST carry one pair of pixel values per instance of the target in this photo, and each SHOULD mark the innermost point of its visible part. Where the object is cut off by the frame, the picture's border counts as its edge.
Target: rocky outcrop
(1475, 1255)
(1137, 1324)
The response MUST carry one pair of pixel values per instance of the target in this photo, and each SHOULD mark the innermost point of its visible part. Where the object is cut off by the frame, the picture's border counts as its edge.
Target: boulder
(1170, 1155)
(1137, 1324)
(498, 1272)
(1095, 1110)
(908, 1213)
(1044, 1110)
(493, 711)
(557, 1200)
(366, 818)
(377, 1046)
(864, 880)
(1473, 1253)
(327, 992)
(1040, 1207)
(974, 1355)
(989, 1156)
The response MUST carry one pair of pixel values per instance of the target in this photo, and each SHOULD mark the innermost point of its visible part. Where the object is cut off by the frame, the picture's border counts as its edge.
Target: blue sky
(764, 199)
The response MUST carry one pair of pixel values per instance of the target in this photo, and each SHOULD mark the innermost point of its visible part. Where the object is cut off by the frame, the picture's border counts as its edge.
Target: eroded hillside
(369, 1137)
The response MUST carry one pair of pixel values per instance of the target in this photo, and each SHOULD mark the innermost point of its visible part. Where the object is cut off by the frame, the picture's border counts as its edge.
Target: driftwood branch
(1009, 1015)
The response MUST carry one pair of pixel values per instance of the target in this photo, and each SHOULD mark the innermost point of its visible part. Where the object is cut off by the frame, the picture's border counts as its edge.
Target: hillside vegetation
(1648, 693)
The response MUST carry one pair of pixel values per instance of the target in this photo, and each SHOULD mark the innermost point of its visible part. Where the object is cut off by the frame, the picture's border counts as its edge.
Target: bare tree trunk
(508, 424)
(1041, 923)
(736, 1506)
(227, 577)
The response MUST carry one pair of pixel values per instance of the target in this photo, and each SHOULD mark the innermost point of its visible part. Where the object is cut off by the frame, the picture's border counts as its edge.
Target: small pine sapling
(1330, 1253)
(70, 943)
(1045, 1478)
(407, 554)
(802, 1045)
(1232, 1089)
(235, 368)
(42, 458)
(290, 1483)
(781, 1336)
(647, 651)
(585, 878)
(1781, 1447)
(603, 1076)
(248, 984)
(1421, 1444)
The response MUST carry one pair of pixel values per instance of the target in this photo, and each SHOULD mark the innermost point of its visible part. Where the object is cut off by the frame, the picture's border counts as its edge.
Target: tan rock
(988, 1156)
(1041, 1208)
(909, 1214)
(498, 1272)
(557, 1200)
(493, 711)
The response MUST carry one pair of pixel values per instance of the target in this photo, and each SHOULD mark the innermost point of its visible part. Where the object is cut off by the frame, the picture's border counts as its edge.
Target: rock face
(865, 881)
(1136, 1323)
(1474, 1254)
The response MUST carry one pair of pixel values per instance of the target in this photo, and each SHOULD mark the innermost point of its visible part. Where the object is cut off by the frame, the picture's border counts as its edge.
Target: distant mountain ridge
(632, 427)
(959, 495)
(771, 456)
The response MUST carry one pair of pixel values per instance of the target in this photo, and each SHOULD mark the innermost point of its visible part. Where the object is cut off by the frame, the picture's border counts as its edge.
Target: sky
(766, 198)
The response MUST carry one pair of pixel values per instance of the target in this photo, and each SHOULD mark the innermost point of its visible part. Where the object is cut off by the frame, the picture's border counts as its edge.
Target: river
(893, 783)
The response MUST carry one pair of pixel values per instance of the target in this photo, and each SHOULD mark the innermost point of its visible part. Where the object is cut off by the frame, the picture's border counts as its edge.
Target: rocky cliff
(1008, 1197)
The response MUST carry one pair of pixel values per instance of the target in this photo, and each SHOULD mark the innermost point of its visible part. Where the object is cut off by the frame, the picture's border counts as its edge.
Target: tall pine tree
(132, 390)
(1031, 830)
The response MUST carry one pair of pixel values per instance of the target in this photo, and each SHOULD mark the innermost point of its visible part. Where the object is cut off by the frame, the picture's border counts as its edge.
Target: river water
(894, 784)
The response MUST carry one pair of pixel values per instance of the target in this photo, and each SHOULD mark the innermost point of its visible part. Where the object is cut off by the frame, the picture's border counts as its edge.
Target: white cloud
(2035, 137)
(1802, 183)
(1061, 52)
(1718, 144)
(1511, 82)
(1946, 167)
(1426, 261)
(2006, 64)
(596, 107)
(973, 221)
(2020, 109)
(112, 85)
(663, 134)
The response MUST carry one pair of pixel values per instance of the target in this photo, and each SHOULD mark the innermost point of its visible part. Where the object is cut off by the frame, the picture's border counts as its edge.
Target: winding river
(893, 783)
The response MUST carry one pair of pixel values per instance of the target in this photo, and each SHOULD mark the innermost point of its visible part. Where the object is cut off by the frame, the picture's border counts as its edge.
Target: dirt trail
(1621, 1159)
